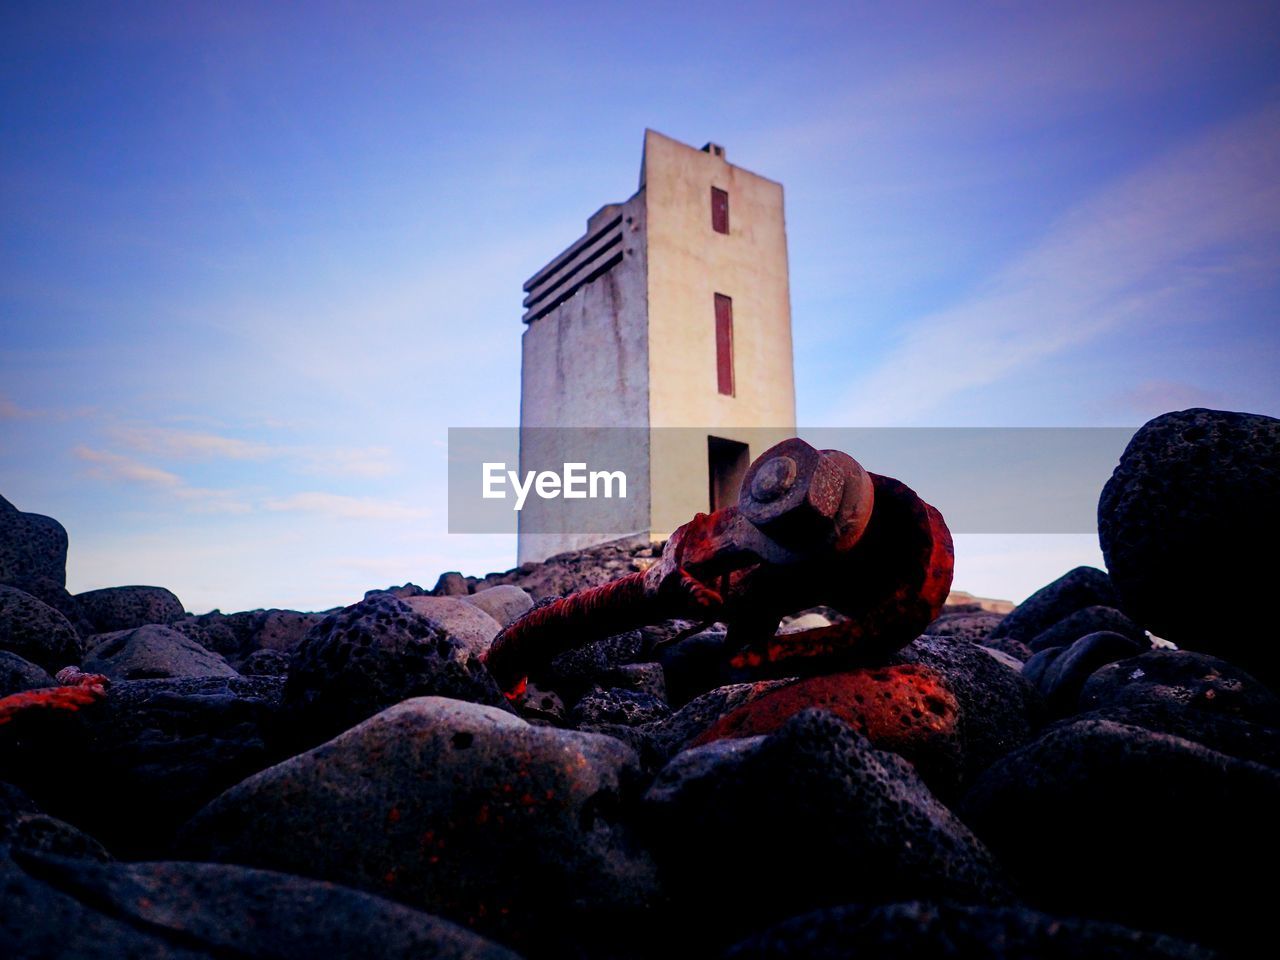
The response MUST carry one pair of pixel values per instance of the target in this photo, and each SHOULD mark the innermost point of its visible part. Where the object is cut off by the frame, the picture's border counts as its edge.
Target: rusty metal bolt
(776, 476)
(802, 497)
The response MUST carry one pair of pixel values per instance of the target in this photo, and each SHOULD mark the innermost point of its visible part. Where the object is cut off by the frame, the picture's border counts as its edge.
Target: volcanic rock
(470, 627)
(624, 707)
(907, 709)
(31, 545)
(152, 652)
(53, 593)
(133, 767)
(1074, 590)
(124, 608)
(505, 602)
(1193, 504)
(265, 663)
(753, 830)
(453, 807)
(1059, 673)
(999, 709)
(974, 626)
(180, 910)
(17, 674)
(1084, 622)
(1121, 823)
(36, 631)
(369, 656)
(1192, 680)
(939, 931)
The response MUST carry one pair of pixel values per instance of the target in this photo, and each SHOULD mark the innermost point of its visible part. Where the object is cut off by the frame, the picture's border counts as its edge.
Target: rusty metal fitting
(814, 500)
(802, 497)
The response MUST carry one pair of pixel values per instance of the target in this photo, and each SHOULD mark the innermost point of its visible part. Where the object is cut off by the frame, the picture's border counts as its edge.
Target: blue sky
(255, 259)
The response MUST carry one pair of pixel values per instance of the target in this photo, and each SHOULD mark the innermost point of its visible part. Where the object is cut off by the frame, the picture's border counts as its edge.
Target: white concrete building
(671, 311)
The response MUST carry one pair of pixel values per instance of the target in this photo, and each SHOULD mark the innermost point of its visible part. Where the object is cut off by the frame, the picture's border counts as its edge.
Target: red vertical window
(719, 210)
(724, 344)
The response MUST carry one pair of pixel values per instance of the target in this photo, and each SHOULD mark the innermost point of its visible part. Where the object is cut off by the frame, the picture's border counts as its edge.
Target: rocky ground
(1041, 783)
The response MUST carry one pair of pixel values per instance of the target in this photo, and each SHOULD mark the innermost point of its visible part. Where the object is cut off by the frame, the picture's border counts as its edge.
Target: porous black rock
(641, 678)
(676, 731)
(752, 830)
(470, 627)
(946, 931)
(1067, 670)
(505, 602)
(152, 652)
(371, 655)
(1121, 823)
(699, 662)
(1009, 647)
(227, 634)
(1084, 622)
(1192, 680)
(1074, 590)
(616, 706)
(18, 674)
(123, 608)
(31, 545)
(265, 663)
(1192, 506)
(36, 631)
(576, 671)
(999, 709)
(50, 591)
(518, 831)
(451, 584)
(178, 910)
(38, 920)
(974, 626)
(1222, 732)
(24, 826)
(133, 767)
(237, 635)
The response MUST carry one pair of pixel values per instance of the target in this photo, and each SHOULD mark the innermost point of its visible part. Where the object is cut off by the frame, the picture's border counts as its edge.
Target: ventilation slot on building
(589, 258)
(727, 462)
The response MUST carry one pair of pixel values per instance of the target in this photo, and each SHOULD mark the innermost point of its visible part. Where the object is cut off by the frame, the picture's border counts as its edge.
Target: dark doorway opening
(727, 462)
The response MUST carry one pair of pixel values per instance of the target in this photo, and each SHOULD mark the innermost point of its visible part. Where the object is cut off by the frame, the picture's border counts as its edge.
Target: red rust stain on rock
(52, 698)
(906, 709)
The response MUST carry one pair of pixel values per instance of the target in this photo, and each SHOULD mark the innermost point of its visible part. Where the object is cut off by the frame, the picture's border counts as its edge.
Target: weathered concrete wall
(585, 364)
(688, 264)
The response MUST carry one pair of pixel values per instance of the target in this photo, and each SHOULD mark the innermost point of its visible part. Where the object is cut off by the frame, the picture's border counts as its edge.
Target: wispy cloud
(11, 410)
(1153, 397)
(367, 462)
(1199, 213)
(169, 442)
(345, 507)
(118, 468)
(115, 467)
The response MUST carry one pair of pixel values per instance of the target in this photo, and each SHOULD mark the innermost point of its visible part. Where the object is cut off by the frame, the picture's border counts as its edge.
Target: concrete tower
(671, 311)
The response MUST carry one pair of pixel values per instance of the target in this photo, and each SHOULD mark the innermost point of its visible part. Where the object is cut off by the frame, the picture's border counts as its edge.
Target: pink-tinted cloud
(1199, 214)
(346, 507)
